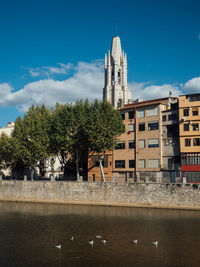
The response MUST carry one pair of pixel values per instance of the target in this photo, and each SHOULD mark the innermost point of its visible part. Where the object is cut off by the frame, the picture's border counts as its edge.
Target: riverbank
(167, 196)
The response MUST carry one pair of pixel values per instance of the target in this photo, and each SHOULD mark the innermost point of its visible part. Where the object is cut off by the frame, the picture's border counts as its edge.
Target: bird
(134, 241)
(98, 236)
(91, 242)
(58, 246)
(155, 243)
(103, 241)
(72, 238)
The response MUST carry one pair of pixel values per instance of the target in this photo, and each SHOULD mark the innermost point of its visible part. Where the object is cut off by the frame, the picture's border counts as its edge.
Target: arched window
(119, 77)
(113, 77)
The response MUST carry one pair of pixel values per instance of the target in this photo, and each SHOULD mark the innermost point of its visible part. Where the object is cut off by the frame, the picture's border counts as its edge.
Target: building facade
(116, 90)
(148, 150)
(189, 128)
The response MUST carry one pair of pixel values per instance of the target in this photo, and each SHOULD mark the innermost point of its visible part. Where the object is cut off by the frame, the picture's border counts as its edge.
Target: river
(29, 233)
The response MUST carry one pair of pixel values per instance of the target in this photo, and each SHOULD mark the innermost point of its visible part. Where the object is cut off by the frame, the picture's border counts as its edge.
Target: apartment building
(170, 145)
(140, 156)
(189, 128)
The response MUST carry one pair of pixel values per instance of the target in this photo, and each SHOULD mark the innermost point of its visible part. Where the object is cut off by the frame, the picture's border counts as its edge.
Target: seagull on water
(98, 236)
(135, 241)
(58, 246)
(72, 238)
(91, 242)
(155, 243)
(103, 241)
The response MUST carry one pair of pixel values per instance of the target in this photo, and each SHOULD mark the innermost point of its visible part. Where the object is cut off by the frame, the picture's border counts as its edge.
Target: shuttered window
(153, 163)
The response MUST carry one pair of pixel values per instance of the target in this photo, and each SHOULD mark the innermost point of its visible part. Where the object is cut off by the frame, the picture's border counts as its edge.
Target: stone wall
(116, 194)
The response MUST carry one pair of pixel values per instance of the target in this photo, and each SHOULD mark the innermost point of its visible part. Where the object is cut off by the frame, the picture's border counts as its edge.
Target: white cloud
(86, 82)
(192, 86)
(146, 91)
(47, 71)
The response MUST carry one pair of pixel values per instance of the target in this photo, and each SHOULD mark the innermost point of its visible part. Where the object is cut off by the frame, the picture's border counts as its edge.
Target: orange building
(189, 128)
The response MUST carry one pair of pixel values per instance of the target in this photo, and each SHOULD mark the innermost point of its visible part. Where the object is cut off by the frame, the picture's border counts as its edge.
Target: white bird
(58, 246)
(98, 236)
(155, 243)
(91, 242)
(134, 241)
(103, 241)
(72, 238)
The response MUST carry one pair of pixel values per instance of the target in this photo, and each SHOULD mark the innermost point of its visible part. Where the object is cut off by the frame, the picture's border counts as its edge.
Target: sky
(53, 50)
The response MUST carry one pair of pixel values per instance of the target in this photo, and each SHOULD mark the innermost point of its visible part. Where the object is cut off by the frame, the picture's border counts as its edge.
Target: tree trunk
(101, 167)
(32, 173)
(77, 168)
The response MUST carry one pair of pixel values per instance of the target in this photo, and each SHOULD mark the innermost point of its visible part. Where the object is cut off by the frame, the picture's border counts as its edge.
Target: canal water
(29, 234)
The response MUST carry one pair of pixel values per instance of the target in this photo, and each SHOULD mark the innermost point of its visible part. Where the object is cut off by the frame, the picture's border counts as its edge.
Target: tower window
(119, 77)
(112, 77)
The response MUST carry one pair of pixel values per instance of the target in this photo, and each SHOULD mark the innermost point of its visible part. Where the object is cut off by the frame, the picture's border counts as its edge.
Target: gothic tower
(116, 90)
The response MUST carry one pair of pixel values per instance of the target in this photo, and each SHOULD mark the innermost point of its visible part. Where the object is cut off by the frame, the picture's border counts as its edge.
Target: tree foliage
(68, 131)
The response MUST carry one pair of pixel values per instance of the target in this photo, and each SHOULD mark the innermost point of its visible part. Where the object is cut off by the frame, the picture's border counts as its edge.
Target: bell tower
(116, 90)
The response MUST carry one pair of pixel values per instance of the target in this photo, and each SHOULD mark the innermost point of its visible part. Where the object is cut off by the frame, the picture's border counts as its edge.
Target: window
(131, 127)
(195, 112)
(141, 113)
(196, 141)
(152, 111)
(131, 163)
(131, 144)
(119, 80)
(95, 161)
(166, 142)
(195, 126)
(119, 164)
(164, 118)
(188, 142)
(131, 114)
(172, 117)
(141, 143)
(153, 142)
(142, 126)
(153, 125)
(123, 116)
(154, 163)
(172, 131)
(186, 112)
(190, 159)
(120, 145)
(141, 163)
(170, 163)
(194, 98)
(186, 127)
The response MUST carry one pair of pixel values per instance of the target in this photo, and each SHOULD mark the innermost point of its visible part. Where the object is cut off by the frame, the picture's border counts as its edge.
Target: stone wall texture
(115, 194)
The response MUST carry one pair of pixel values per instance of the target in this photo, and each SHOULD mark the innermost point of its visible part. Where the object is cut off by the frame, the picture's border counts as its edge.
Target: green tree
(62, 132)
(79, 148)
(31, 138)
(103, 128)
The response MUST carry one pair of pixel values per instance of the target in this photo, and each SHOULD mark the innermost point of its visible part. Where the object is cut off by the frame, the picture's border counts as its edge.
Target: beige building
(139, 156)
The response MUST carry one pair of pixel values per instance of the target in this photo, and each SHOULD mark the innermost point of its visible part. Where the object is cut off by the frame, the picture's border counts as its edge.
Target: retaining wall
(114, 194)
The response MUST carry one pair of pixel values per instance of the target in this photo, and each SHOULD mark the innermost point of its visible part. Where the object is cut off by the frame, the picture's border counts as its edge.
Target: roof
(146, 103)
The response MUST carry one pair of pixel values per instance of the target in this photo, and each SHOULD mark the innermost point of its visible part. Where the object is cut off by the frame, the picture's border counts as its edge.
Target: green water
(30, 232)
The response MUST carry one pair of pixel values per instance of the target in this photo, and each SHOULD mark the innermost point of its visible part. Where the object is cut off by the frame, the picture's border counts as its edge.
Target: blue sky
(53, 50)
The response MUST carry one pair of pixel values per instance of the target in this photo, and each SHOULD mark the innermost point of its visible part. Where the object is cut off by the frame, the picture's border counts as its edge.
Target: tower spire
(115, 90)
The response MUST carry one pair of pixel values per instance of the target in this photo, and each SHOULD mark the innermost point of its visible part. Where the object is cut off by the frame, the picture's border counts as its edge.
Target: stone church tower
(116, 90)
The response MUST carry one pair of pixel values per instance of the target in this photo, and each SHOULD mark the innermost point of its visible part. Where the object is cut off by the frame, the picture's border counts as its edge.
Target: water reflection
(29, 233)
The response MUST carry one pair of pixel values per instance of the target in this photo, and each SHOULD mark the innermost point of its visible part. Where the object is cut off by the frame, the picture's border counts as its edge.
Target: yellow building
(189, 128)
